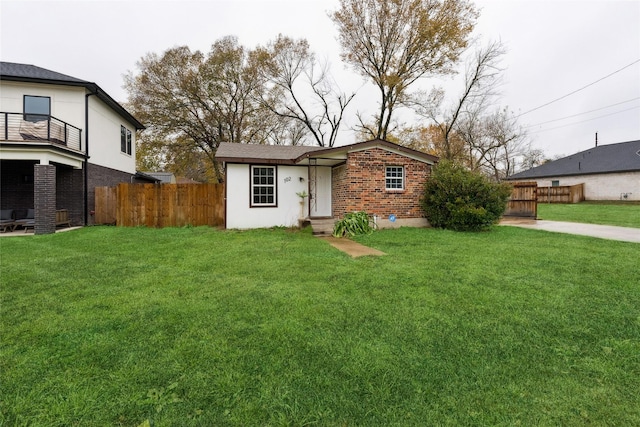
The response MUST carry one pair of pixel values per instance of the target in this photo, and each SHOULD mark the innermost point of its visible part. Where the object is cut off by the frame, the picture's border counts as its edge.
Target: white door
(320, 191)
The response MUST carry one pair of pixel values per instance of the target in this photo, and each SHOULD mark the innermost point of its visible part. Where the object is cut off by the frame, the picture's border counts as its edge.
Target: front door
(320, 191)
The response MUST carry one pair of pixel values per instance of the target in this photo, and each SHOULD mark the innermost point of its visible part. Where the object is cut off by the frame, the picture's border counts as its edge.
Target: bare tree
(532, 158)
(482, 79)
(302, 94)
(496, 143)
(394, 43)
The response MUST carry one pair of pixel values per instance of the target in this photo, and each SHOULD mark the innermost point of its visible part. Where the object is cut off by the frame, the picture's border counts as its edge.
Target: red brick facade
(359, 185)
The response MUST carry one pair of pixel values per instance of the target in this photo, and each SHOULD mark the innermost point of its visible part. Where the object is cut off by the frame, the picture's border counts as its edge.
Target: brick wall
(44, 178)
(70, 193)
(100, 176)
(359, 185)
(18, 190)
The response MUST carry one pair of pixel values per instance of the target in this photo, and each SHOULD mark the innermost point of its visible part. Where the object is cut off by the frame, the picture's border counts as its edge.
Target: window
(555, 183)
(37, 108)
(125, 140)
(263, 186)
(394, 178)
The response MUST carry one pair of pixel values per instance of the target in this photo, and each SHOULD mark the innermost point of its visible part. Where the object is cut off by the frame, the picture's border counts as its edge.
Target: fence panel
(523, 200)
(561, 194)
(106, 205)
(165, 205)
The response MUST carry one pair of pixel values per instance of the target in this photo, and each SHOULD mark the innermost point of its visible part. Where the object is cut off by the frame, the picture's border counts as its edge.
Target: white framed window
(125, 140)
(394, 178)
(263, 186)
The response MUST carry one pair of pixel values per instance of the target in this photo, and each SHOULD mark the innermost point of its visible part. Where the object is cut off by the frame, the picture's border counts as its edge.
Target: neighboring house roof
(146, 177)
(163, 177)
(611, 158)
(301, 154)
(11, 71)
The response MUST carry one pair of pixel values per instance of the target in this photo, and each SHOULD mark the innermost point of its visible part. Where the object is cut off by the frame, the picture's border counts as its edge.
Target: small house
(270, 185)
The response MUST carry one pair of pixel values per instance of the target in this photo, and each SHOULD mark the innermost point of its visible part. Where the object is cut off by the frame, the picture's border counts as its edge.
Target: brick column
(44, 194)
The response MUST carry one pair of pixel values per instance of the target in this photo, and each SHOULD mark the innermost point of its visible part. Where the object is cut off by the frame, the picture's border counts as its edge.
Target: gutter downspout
(86, 158)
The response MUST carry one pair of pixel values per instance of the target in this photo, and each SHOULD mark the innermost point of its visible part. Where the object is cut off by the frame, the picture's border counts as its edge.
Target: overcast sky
(554, 48)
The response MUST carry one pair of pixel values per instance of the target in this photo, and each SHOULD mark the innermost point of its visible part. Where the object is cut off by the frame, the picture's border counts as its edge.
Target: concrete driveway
(610, 232)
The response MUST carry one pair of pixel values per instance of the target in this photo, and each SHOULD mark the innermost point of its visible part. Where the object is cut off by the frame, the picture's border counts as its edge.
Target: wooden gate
(523, 201)
(160, 205)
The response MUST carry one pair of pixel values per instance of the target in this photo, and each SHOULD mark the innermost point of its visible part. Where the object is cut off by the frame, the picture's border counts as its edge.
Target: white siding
(610, 186)
(67, 102)
(68, 105)
(288, 211)
(104, 138)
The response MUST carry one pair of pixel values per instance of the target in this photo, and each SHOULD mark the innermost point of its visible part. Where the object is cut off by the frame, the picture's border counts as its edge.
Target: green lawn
(197, 327)
(624, 214)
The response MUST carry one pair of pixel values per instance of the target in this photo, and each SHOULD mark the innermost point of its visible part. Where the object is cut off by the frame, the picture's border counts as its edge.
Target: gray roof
(291, 155)
(611, 158)
(22, 71)
(246, 153)
(165, 177)
(12, 71)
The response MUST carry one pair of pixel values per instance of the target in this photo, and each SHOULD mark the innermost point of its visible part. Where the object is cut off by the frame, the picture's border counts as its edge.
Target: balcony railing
(39, 128)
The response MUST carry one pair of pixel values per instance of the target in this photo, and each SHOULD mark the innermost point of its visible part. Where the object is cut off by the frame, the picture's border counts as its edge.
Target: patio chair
(28, 222)
(7, 222)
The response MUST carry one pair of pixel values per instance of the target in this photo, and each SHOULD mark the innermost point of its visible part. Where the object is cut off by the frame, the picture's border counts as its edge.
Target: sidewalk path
(350, 247)
(610, 232)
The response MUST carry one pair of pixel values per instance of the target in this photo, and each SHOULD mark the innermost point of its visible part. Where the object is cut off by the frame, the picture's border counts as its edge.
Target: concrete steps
(322, 226)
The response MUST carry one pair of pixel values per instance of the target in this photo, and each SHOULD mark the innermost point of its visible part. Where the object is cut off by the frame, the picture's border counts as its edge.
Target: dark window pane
(123, 139)
(37, 105)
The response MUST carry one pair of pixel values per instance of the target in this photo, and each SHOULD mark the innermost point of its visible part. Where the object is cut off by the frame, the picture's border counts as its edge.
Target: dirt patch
(350, 247)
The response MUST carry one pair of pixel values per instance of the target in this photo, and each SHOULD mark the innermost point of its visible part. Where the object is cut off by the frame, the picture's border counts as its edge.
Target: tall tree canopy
(396, 42)
(191, 102)
(194, 101)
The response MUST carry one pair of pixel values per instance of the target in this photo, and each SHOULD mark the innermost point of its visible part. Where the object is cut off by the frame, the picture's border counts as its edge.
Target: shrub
(458, 199)
(353, 224)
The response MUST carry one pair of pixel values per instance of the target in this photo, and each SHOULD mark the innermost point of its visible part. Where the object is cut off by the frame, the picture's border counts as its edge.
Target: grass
(624, 214)
(198, 327)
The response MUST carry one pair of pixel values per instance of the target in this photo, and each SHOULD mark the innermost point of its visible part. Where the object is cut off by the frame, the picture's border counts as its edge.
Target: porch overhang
(42, 153)
(322, 160)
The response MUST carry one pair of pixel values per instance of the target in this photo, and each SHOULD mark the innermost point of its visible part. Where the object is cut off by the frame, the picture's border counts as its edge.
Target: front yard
(194, 326)
(623, 214)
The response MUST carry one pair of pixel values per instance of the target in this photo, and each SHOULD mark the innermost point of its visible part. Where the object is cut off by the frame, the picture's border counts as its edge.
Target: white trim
(273, 185)
(388, 178)
(44, 155)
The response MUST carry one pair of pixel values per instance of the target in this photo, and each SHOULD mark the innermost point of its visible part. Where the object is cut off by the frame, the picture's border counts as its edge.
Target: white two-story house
(60, 137)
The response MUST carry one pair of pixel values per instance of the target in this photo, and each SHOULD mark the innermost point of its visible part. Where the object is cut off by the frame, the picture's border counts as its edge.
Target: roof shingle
(26, 71)
(228, 151)
(611, 158)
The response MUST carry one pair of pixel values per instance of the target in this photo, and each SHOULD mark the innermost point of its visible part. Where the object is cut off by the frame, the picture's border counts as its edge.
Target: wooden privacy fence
(160, 205)
(523, 200)
(561, 194)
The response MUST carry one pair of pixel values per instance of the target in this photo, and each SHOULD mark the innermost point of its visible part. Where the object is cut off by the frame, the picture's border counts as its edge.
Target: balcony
(35, 128)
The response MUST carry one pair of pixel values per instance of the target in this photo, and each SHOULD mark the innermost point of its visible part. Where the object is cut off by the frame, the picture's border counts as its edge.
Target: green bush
(353, 224)
(458, 199)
